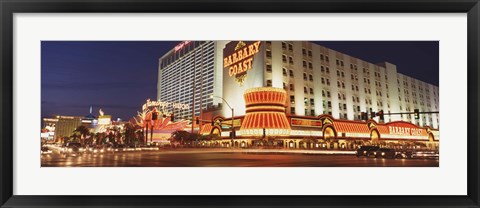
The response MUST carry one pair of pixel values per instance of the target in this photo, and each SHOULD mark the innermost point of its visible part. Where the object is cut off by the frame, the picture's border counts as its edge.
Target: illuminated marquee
(306, 122)
(405, 131)
(240, 61)
(164, 105)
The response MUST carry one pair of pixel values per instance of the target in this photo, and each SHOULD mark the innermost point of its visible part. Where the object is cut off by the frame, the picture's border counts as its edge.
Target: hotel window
(338, 73)
(369, 92)
(290, 72)
(290, 47)
(269, 82)
(323, 80)
(284, 45)
(306, 111)
(284, 72)
(305, 90)
(327, 70)
(321, 57)
(304, 64)
(326, 59)
(305, 76)
(304, 51)
(358, 108)
(268, 68)
(292, 110)
(292, 99)
(351, 66)
(290, 60)
(310, 77)
(364, 80)
(345, 107)
(312, 112)
(353, 88)
(311, 91)
(310, 65)
(338, 84)
(328, 93)
(284, 86)
(310, 53)
(269, 54)
(323, 93)
(358, 99)
(339, 96)
(351, 75)
(337, 62)
(345, 115)
(322, 69)
(328, 82)
(312, 102)
(356, 88)
(284, 59)
(343, 85)
(343, 96)
(329, 104)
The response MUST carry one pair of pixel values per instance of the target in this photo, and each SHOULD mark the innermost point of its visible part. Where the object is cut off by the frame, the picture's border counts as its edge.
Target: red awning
(351, 127)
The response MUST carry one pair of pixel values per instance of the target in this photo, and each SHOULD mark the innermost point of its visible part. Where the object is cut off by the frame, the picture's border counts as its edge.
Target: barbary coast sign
(405, 131)
(240, 61)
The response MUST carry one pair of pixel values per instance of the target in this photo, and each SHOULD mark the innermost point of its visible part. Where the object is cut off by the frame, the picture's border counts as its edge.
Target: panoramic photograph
(240, 103)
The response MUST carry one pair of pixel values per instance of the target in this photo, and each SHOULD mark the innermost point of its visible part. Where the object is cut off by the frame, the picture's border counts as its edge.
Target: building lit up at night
(296, 94)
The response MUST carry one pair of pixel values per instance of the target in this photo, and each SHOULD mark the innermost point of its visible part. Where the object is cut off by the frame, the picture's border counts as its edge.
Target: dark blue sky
(118, 76)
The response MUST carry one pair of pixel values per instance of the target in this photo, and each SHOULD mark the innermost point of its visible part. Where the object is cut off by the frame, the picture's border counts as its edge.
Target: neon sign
(165, 105)
(181, 45)
(241, 60)
(405, 131)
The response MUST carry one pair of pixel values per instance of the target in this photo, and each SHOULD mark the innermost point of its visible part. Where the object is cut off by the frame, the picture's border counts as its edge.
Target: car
(45, 150)
(119, 148)
(385, 153)
(403, 154)
(425, 154)
(98, 149)
(72, 148)
(366, 151)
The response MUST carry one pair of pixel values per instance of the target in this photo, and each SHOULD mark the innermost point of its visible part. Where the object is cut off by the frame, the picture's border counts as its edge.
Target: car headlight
(364, 152)
(375, 153)
(101, 150)
(70, 150)
(383, 153)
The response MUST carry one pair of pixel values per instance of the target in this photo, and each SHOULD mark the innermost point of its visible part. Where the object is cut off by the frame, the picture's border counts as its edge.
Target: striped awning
(206, 129)
(351, 127)
(382, 129)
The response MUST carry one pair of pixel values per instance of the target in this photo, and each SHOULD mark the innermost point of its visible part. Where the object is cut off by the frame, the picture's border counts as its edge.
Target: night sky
(118, 76)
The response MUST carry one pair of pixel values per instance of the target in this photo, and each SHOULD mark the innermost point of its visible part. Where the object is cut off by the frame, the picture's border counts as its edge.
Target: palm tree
(83, 131)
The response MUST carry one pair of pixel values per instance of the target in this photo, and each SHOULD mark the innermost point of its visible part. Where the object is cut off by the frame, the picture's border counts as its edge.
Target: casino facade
(296, 94)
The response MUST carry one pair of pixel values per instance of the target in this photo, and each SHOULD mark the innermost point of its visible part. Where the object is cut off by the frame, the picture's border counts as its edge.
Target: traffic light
(154, 116)
(416, 113)
(196, 120)
(363, 115)
(372, 114)
(380, 114)
(172, 117)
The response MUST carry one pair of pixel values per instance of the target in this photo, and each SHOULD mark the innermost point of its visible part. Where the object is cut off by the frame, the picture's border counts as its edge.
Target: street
(227, 158)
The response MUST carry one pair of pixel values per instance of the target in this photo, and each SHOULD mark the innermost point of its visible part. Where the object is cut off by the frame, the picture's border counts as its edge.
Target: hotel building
(318, 82)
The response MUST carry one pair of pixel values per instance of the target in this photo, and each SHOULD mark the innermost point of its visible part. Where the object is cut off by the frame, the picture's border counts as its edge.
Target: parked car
(385, 153)
(404, 154)
(366, 151)
(98, 149)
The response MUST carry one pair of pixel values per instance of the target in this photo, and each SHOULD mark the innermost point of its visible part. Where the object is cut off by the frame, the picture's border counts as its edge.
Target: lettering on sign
(405, 131)
(240, 61)
(164, 105)
(305, 122)
(181, 45)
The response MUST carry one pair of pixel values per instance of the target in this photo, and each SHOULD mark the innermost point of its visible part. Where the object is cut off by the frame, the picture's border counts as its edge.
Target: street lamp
(233, 130)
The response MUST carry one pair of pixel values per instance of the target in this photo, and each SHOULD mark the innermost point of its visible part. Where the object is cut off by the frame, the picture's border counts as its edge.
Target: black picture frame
(10, 7)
